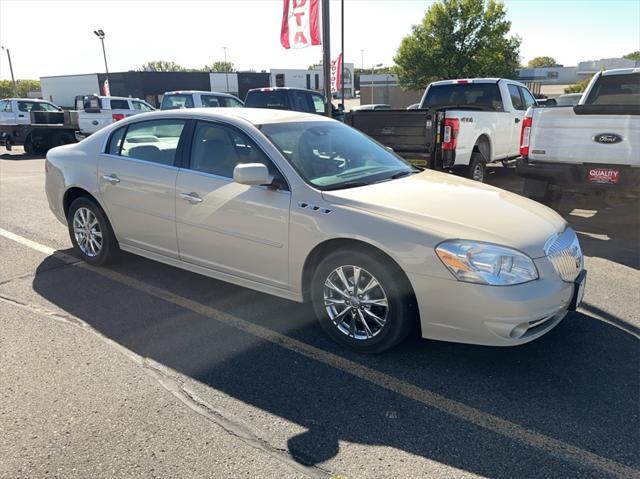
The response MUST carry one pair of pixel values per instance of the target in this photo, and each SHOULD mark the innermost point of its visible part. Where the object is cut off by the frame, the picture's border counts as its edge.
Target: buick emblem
(607, 138)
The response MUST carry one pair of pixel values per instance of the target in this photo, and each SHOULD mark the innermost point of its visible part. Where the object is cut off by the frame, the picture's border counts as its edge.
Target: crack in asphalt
(172, 382)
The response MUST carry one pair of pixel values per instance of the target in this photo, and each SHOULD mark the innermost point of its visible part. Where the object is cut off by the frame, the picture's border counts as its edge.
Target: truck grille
(564, 252)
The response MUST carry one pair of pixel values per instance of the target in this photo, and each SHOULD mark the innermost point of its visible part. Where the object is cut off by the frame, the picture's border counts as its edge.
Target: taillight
(525, 134)
(118, 116)
(450, 135)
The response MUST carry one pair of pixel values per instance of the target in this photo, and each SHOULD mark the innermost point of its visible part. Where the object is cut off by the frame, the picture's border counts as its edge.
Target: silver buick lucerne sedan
(309, 209)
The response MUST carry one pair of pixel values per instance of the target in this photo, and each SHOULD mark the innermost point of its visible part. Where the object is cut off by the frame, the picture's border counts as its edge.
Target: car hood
(450, 207)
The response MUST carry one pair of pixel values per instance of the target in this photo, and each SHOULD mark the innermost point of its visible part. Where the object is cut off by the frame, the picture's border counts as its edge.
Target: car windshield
(331, 155)
(622, 89)
(276, 99)
(171, 102)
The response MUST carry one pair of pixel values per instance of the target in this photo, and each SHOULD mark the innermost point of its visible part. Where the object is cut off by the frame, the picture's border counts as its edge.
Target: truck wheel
(477, 168)
(60, 139)
(28, 147)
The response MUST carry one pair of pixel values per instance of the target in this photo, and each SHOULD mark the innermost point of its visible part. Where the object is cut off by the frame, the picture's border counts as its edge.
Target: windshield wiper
(348, 184)
(400, 174)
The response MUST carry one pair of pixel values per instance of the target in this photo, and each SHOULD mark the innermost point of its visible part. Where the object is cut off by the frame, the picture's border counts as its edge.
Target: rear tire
(477, 167)
(369, 320)
(28, 147)
(91, 232)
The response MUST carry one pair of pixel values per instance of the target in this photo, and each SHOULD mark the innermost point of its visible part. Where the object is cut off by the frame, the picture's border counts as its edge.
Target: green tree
(220, 66)
(578, 87)
(541, 62)
(23, 86)
(161, 66)
(457, 39)
(633, 56)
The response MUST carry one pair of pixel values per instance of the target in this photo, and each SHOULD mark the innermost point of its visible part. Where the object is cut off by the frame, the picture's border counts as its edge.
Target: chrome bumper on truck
(581, 176)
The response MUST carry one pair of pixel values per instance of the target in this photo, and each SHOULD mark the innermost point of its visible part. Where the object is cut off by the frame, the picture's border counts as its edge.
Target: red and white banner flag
(336, 74)
(300, 24)
(106, 91)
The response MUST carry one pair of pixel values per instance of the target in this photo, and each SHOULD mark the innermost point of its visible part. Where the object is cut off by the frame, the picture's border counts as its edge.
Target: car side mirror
(252, 174)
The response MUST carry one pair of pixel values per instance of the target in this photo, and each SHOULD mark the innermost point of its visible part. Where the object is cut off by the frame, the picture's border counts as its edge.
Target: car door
(137, 177)
(517, 115)
(23, 115)
(236, 229)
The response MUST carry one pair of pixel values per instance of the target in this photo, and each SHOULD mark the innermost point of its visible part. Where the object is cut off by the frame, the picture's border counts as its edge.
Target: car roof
(29, 99)
(255, 116)
(475, 80)
(284, 88)
(189, 92)
(620, 71)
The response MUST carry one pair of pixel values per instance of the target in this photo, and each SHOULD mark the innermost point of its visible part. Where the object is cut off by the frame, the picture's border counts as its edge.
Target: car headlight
(485, 263)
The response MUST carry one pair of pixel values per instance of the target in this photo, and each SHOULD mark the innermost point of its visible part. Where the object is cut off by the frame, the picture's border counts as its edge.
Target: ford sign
(607, 138)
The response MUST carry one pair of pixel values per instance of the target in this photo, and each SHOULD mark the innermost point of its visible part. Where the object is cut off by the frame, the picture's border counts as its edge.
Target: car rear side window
(516, 99)
(230, 102)
(318, 103)
(119, 105)
(155, 141)
(482, 96)
(115, 142)
(218, 149)
(616, 90)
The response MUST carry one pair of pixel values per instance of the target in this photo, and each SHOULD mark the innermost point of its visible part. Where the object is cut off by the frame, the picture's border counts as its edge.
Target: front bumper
(575, 175)
(461, 312)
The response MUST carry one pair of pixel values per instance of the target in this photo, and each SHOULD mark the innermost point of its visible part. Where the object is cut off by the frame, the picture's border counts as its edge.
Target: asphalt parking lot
(144, 370)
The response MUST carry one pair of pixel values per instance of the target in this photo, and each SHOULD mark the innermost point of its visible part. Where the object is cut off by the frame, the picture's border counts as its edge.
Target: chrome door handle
(113, 179)
(192, 197)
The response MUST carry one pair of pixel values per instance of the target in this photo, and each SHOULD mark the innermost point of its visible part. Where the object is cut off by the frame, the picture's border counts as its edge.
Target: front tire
(91, 232)
(363, 301)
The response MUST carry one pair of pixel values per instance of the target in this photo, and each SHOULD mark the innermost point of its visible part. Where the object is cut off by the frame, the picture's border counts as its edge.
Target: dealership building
(151, 86)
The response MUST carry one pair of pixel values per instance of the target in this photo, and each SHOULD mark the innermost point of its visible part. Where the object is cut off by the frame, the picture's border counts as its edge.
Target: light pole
(13, 80)
(100, 35)
(373, 69)
(226, 68)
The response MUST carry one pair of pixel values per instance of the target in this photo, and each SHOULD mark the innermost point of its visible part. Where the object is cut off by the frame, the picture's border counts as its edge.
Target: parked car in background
(173, 100)
(373, 106)
(284, 98)
(36, 124)
(461, 125)
(95, 112)
(303, 207)
(593, 145)
(568, 99)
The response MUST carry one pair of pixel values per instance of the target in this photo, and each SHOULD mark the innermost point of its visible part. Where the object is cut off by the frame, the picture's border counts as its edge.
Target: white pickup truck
(96, 112)
(593, 145)
(460, 125)
(173, 100)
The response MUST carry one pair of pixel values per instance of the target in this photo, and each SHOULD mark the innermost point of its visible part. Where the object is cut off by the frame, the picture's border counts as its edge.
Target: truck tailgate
(559, 135)
(408, 132)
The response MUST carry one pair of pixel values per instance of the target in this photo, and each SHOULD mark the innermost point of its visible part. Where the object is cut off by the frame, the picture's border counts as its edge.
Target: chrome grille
(563, 250)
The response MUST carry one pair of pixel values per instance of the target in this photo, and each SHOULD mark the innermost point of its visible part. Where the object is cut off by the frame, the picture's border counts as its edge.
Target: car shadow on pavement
(577, 384)
(21, 156)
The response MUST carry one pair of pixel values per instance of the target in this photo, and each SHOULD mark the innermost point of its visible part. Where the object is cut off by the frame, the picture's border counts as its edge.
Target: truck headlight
(485, 263)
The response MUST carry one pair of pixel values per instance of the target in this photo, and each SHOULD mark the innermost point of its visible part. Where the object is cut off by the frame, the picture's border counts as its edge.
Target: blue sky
(193, 33)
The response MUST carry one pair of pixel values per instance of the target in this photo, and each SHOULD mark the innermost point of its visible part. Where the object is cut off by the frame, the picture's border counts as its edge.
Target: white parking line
(431, 399)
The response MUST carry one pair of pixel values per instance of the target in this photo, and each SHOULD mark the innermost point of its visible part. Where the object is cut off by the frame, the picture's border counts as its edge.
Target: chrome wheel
(356, 302)
(87, 233)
